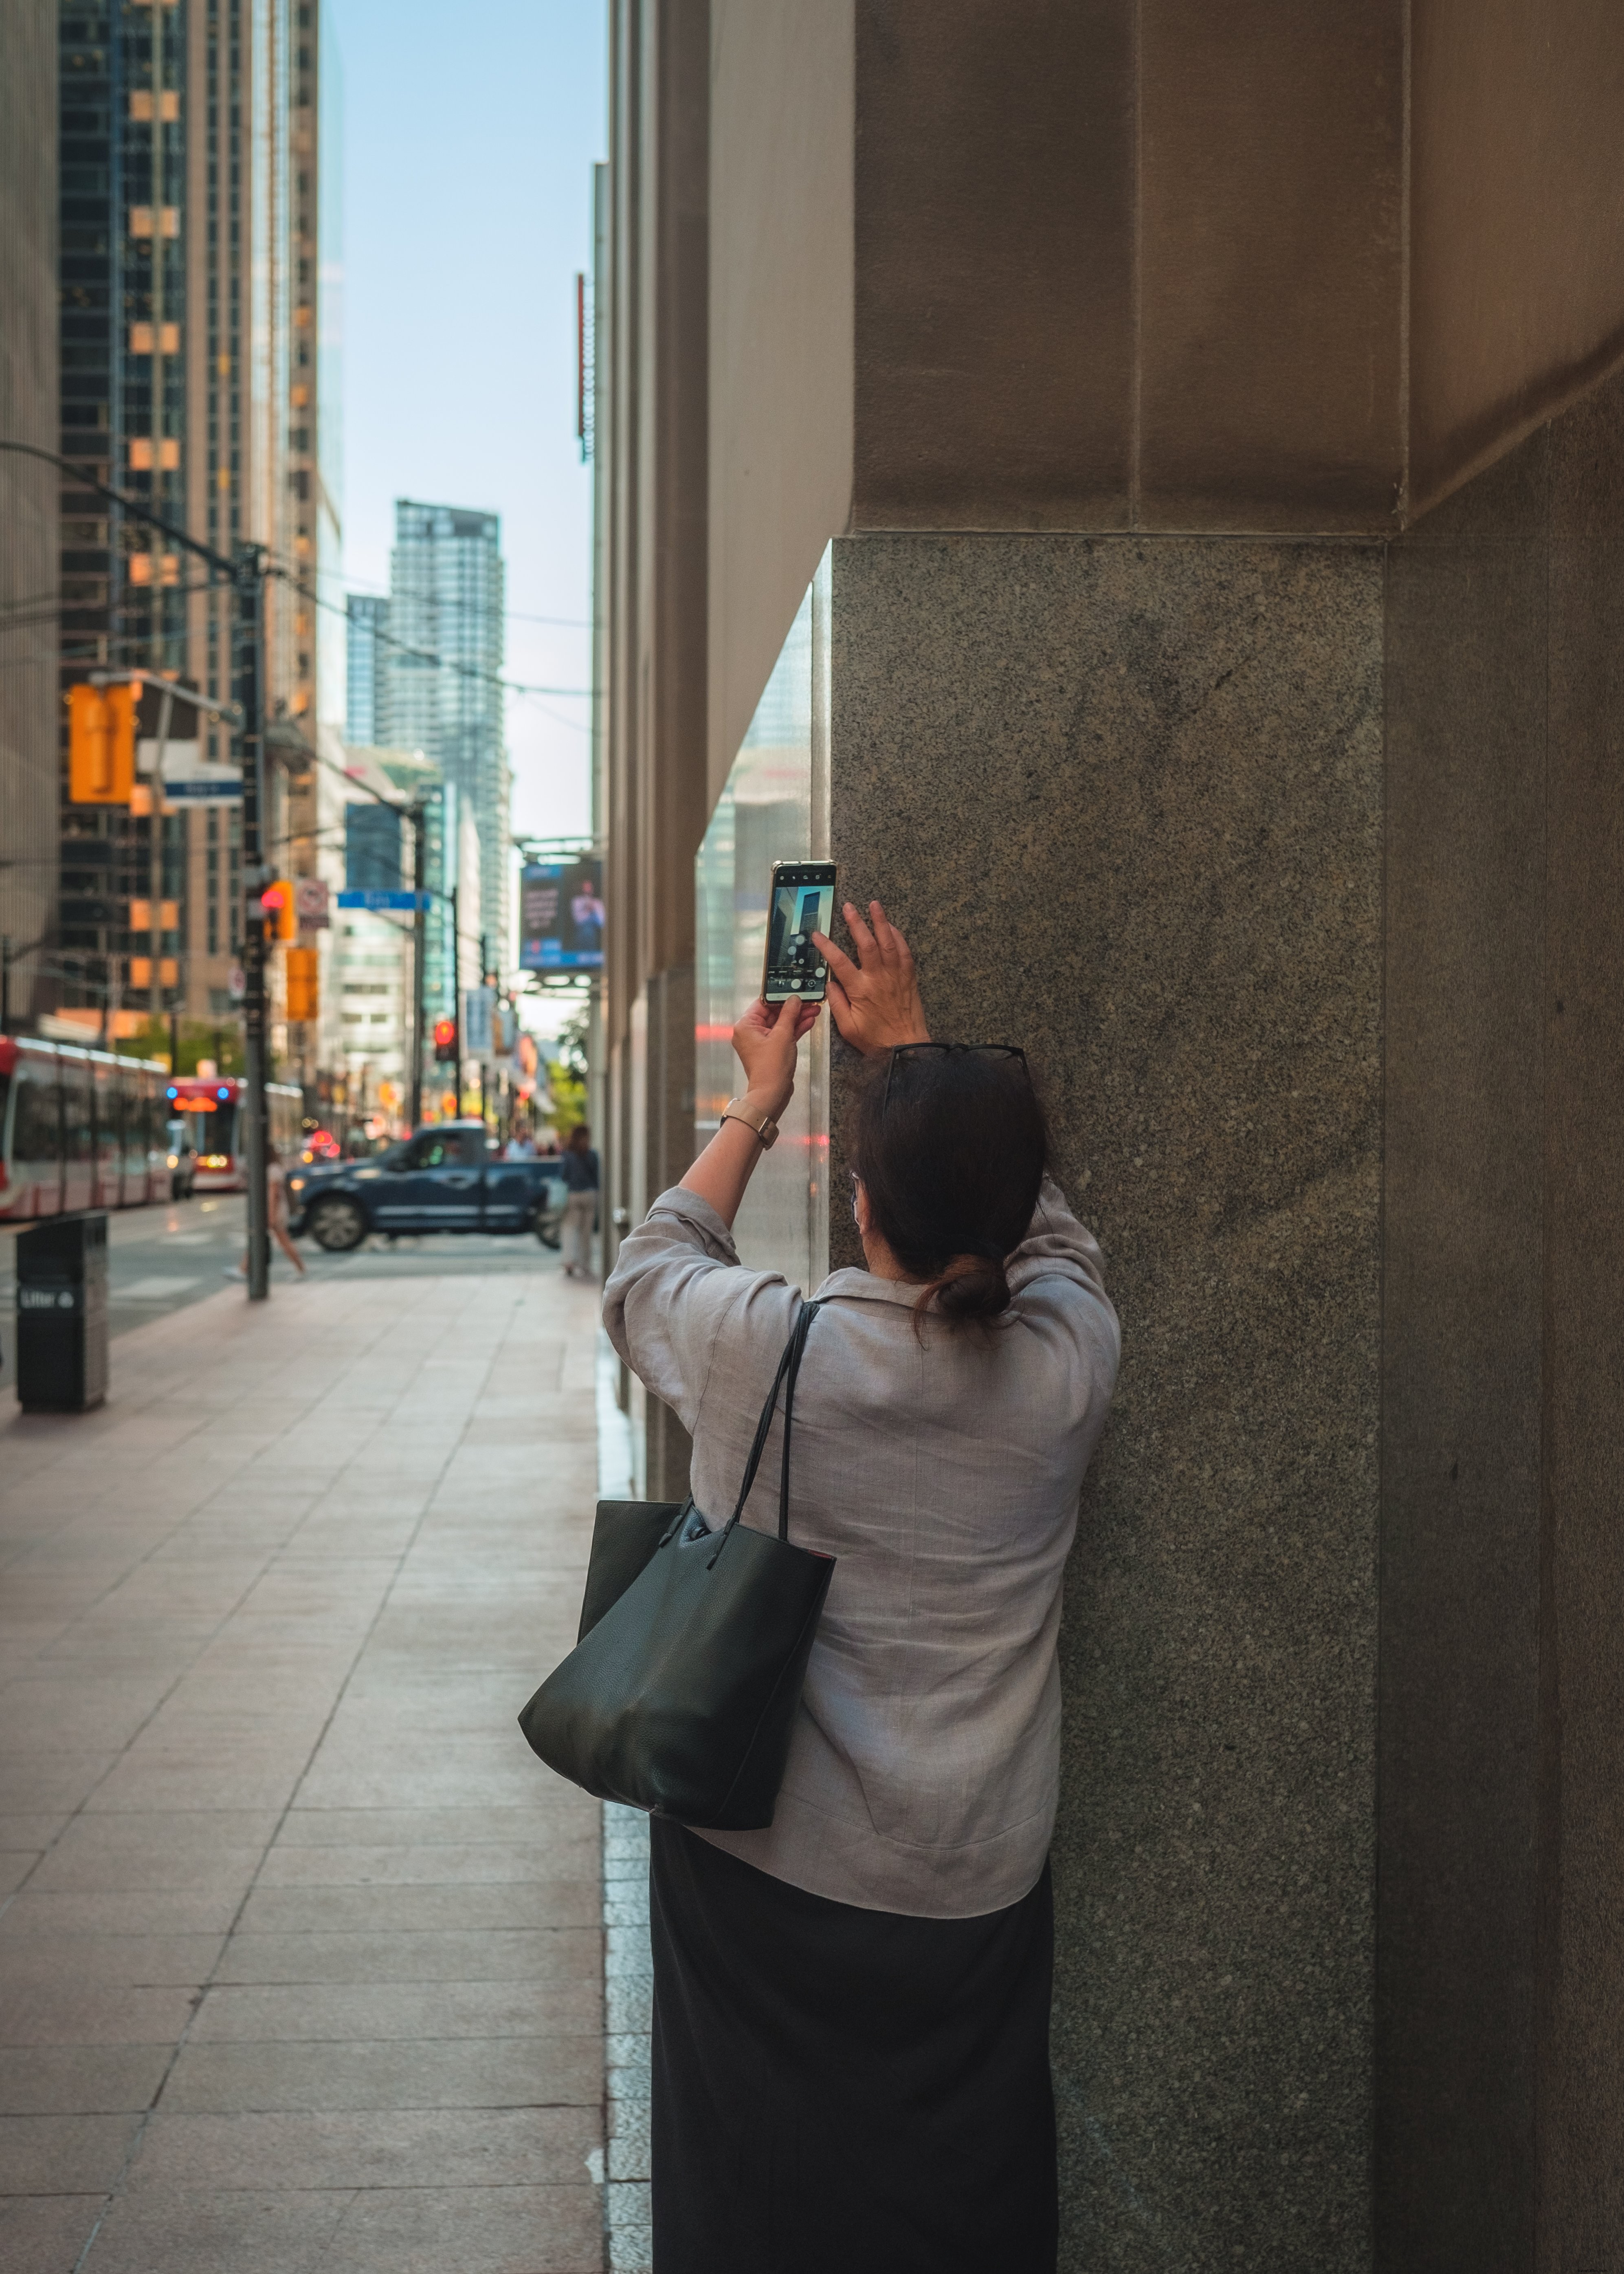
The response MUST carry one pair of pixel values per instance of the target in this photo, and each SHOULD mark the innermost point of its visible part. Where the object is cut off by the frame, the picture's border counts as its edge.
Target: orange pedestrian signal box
(281, 916)
(303, 983)
(101, 744)
(445, 1041)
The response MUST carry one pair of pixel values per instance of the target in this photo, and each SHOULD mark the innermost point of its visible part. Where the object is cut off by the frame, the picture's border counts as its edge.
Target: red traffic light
(445, 1040)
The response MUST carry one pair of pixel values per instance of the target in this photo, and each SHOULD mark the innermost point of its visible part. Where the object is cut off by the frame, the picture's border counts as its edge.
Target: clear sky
(469, 136)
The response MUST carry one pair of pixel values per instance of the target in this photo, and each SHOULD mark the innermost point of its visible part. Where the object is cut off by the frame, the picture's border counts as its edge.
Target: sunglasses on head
(951, 1050)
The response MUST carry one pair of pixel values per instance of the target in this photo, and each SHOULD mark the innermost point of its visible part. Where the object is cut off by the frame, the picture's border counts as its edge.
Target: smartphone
(802, 902)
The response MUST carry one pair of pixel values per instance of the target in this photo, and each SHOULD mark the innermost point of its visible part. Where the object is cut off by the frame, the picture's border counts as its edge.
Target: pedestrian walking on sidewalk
(580, 1164)
(851, 2008)
(277, 1199)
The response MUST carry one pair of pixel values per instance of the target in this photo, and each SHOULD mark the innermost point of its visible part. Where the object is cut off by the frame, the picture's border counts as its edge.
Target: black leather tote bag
(679, 1695)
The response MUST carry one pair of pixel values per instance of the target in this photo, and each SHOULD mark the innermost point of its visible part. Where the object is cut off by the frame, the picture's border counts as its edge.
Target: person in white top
(276, 1198)
(851, 2006)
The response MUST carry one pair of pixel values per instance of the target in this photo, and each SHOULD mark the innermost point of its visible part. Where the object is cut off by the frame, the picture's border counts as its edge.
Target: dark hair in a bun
(952, 1147)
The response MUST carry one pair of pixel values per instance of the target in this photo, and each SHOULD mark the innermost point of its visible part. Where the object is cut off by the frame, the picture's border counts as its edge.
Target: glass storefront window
(775, 807)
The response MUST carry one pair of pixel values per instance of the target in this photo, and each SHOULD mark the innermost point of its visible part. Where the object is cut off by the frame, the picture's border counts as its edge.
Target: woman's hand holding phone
(874, 1001)
(765, 1040)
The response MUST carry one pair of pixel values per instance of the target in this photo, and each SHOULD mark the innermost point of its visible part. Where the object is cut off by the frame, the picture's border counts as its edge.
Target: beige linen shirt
(941, 1468)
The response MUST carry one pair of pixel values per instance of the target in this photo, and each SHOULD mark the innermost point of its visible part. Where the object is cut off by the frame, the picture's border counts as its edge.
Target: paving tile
(196, 1851)
(65, 2014)
(45, 2234)
(218, 2231)
(343, 2011)
(509, 1954)
(58, 1910)
(15, 1866)
(393, 2147)
(527, 2072)
(53, 1783)
(84, 2080)
(132, 1961)
(378, 1909)
(48, 1710)
(63, 2155)
(520, 2230)
(34, 1832)
(147, 1788)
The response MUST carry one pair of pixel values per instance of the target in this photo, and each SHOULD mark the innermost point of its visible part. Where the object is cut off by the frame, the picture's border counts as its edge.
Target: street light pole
(456, 1002)
(248, 575)
(420, 937)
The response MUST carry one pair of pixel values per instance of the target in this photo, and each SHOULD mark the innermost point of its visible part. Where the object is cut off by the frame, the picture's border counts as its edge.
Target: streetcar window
(34, 1132)
(216, 1131)
(78, 1126)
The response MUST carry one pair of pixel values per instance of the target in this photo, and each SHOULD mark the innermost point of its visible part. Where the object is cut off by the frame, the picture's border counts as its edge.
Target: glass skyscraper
(366, 688)
(446, 602)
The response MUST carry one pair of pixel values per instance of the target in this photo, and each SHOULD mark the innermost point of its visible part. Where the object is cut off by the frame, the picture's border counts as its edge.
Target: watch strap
(763, 1124)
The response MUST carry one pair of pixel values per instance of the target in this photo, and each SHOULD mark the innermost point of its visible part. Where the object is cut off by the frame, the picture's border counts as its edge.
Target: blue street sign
(410, 902)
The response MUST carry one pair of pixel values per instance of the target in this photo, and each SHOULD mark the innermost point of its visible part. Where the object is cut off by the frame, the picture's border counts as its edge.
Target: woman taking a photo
(851, 2008)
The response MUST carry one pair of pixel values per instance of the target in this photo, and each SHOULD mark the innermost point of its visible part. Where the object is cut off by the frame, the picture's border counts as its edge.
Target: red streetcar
(78, 1129)
(218, 1135)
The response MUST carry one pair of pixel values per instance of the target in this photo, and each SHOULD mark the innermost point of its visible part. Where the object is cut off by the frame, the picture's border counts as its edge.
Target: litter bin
(62, 1315)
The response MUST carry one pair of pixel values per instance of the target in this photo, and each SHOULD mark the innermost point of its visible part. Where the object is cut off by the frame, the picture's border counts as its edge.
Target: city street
(300, 1949)
(164, 1259)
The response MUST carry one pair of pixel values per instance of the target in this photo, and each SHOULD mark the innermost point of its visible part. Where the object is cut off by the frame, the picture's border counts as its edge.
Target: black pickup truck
(449, 1176)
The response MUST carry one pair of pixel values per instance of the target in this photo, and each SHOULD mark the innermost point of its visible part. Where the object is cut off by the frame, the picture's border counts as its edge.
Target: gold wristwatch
(765, 1127)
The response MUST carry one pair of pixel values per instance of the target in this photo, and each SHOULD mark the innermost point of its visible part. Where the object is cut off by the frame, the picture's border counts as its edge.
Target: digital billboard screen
(561, 916)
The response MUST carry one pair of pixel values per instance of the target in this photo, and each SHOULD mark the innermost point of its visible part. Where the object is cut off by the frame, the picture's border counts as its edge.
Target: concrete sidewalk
(301, 1963)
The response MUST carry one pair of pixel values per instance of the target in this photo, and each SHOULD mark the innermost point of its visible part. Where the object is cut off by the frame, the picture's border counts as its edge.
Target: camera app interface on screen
(803, 901)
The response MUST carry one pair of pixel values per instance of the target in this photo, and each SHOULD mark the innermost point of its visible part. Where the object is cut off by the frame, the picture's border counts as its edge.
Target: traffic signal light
(445, 1041)
(281, 916)
(303, 983)
(101, 744)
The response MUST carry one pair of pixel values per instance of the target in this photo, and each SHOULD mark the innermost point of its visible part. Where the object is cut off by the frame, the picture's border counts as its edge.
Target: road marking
(155, 1288)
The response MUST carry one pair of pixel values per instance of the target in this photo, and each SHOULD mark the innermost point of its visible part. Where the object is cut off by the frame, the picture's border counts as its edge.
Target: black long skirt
(839, 2090)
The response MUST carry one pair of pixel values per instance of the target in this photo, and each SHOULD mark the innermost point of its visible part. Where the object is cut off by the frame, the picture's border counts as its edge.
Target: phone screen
(802, 902)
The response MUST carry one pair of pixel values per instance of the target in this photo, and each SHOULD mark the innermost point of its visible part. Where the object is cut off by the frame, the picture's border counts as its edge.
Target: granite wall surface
(1124, 796)
(1501, 1982)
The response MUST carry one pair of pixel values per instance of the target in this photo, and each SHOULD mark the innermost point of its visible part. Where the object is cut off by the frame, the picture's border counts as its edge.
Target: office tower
(192, 187)
(366, 629)
(27, 499)
(444, 664)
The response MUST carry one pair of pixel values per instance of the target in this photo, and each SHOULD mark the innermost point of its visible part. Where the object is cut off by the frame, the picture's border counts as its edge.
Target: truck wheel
(337, 1225)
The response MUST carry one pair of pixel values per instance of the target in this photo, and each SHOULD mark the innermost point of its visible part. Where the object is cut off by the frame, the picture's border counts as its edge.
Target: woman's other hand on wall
(876, 1000)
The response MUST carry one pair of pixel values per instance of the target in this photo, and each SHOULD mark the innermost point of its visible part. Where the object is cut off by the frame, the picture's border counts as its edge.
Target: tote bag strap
(789, 1366)
(797, 1344)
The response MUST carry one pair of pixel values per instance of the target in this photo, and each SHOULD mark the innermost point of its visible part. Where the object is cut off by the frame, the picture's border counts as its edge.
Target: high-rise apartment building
(443, 660)
(27, 499)
(191, 191)
(366, 627)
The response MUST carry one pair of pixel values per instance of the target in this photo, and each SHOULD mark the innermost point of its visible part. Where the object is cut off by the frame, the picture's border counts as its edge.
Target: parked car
(448, 1177)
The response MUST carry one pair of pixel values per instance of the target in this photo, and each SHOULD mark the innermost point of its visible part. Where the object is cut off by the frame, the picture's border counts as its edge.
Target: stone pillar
(1124, 795)
(1297, 866)
(1500, 1973)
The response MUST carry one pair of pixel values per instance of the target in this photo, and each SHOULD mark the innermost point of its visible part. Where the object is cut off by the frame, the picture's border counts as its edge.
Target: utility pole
(420, 937)
(249, 575)
(6, 983)
(485, 975)
(456, 1001)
